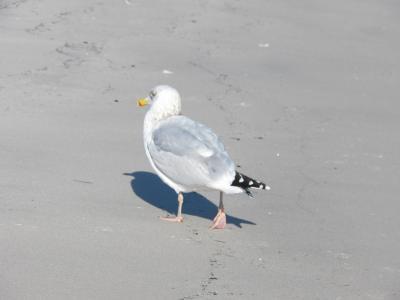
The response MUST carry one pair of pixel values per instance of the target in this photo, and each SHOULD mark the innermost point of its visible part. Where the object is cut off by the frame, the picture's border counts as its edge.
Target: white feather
(185, 154)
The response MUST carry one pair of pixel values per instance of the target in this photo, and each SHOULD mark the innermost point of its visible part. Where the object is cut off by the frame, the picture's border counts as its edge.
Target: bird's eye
(152, 94)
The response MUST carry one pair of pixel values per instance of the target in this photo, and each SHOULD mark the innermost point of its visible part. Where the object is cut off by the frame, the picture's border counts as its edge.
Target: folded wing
(190, 154)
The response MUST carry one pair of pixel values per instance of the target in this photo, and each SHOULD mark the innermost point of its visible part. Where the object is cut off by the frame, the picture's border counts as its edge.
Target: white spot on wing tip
(267, 187)
(205, 152)
(241, 179)
(250, 182)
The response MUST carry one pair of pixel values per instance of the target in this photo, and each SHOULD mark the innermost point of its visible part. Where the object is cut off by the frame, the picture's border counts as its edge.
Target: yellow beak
(142, 102)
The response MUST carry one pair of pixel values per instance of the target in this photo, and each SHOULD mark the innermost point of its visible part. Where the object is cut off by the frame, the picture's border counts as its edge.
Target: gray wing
(190, 154)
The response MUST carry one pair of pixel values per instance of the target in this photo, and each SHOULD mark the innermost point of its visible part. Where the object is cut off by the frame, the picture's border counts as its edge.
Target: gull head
(163, 101)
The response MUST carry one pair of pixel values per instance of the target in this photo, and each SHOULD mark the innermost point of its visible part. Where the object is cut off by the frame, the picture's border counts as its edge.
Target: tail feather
(246, 183)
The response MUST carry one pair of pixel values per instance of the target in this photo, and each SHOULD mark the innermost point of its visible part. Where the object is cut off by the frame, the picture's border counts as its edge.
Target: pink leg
(219, 221)
(178, 217)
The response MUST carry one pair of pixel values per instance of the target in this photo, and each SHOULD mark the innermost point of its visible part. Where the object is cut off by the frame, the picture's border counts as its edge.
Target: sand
(304, 95)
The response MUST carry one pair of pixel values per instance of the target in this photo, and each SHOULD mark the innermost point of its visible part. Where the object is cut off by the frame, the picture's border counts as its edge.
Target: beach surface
(304, 95)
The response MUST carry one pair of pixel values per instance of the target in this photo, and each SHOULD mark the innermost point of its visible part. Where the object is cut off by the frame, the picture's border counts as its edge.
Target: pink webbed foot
(219, 221)
(178, 219)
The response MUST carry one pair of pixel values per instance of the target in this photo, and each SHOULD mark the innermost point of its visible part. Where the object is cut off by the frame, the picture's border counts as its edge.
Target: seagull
(187, 155)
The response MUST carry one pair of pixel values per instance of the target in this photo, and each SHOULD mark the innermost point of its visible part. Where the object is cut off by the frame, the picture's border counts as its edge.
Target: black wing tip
(249, 193)
(246, 183)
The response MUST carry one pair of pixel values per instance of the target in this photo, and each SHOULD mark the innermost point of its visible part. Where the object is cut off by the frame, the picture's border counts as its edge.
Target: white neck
(167, 103)
(152, 118)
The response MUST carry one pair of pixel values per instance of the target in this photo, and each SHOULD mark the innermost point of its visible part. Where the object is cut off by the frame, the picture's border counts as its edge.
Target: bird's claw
(178, 219)
(219, 221)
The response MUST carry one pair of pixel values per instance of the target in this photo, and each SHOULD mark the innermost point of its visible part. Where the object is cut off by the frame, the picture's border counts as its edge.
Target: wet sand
(304, 96)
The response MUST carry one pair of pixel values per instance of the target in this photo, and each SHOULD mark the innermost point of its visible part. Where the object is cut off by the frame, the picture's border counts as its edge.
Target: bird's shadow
(151, 189)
